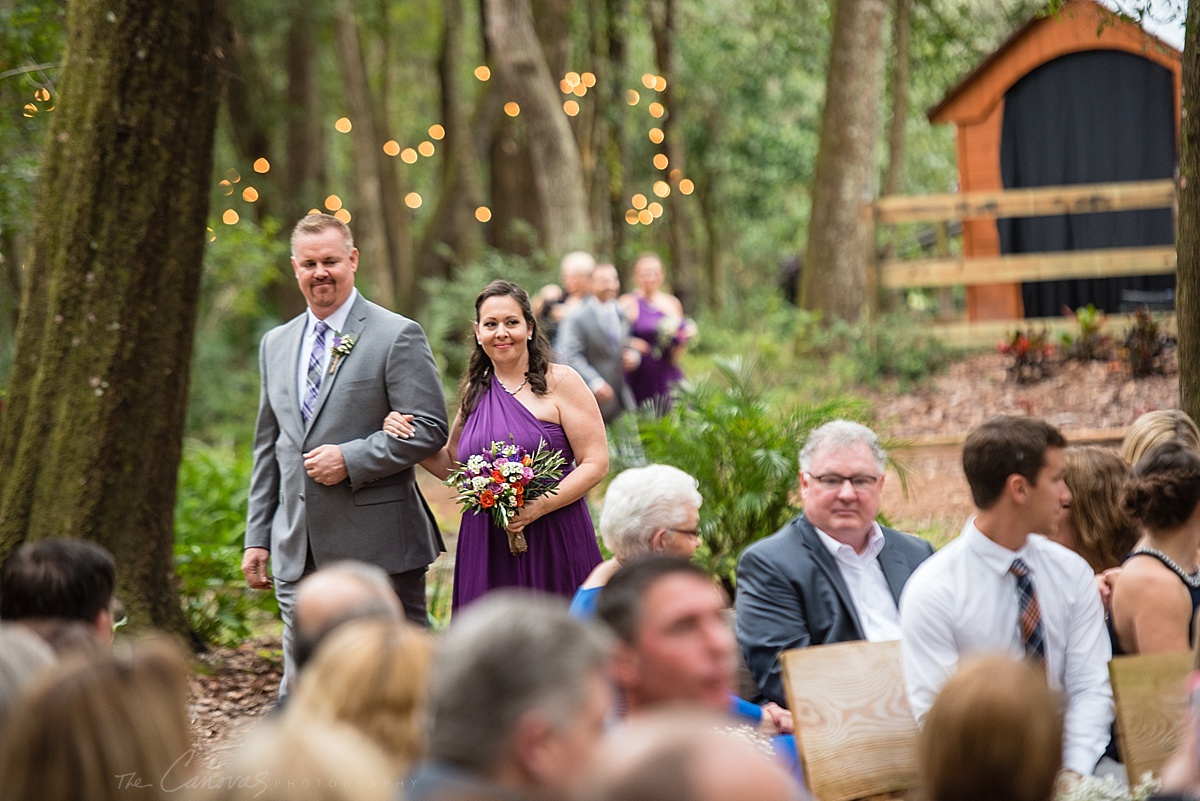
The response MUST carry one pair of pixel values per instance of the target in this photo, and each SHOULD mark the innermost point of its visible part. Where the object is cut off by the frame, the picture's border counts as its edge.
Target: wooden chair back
(854, 728)
(1150, 693)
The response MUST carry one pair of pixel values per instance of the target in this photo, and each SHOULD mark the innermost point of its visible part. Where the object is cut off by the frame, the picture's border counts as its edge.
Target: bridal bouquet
(502, 478)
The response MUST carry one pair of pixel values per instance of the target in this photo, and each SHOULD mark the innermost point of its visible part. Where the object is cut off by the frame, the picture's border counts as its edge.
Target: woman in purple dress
(513, 392)
(658, 331)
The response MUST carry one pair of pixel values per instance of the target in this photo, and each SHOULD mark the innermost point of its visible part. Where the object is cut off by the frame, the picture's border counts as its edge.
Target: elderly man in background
(552, 308)
(833, 574)
(518, 706)
(593, 342)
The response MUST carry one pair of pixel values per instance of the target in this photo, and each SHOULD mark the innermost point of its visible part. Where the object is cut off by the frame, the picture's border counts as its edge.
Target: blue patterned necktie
(312, 386)
(1033, 635)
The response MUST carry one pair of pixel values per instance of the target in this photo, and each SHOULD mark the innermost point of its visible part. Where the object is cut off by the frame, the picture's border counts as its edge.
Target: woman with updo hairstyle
(1157, 594)
(1096, 527)
(1155, 428)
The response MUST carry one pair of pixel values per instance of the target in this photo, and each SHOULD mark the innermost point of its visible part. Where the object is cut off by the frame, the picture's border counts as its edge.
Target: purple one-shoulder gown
(562, 544)
(657, 374)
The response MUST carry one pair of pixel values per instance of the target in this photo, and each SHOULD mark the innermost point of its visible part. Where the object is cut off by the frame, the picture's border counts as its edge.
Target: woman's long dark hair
(480, 370)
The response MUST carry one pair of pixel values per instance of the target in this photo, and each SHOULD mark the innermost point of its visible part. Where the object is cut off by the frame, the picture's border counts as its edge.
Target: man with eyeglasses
(832, 574)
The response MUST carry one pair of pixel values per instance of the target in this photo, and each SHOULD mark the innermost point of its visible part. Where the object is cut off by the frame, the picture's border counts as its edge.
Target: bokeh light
(632, 97)
(648, 81)
(638, 201)
(425, 149)
(262, 166)
(230, 217)
(391, 147)
(512, 109)
(483, 214)
(342, 215)
(662, 188)
(333, 202)
(631, 216)
(660, 161)
(656, 135)
(343, 125)
(437, 132)
(483, 72)
(656, 110)
(571, 108)
(226, 188)
(645, 217)
(686, 186)
(655, 209)
(408, 156)
(588, 79)
(412, 200)
(249, 194)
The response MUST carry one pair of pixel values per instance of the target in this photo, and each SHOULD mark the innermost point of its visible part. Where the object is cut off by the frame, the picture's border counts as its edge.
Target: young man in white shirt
(1002, 586)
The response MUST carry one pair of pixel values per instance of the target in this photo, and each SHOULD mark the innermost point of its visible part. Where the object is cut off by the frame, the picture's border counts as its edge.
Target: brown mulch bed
(234, 687)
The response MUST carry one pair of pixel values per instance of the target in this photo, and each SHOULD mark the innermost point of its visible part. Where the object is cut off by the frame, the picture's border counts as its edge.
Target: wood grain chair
(854, 728)
(1150, 693)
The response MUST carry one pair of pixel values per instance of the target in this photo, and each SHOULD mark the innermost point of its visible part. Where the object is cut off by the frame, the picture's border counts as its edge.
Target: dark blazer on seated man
(791, 594)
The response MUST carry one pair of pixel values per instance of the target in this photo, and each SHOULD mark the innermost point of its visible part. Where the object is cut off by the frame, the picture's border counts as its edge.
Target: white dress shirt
(336, 323)
(869, 590)
(962, 600)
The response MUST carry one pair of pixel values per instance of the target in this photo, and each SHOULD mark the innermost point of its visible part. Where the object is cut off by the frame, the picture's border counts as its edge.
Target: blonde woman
(1156, 427)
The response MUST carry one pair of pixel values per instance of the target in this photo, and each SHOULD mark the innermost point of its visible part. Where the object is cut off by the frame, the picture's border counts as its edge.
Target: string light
(656, 110)
(564, 86)
(512, 109)
(571, 108)
(226, 188)
(675, 174)
(638, 201)
(483, 72)
(342, 215)
(333, 202)
(30, 109)
(686, 186)
(648, 81)
(391, 147)
(655, 209)
(412, 200)
(343, 125)
(660, 161)
(588, 79)
(230, 217)
(483, 214)
(249, 194)
(645, 217)
(656, 135)
(437, 132)
(632, 97)
(631, 216)
(314, 211)
(42, 95)
(580, 90)
(212, 236)
(425, 149)
(232, 175)
(660, 83)
(662, 188)
(409, 156)
(573, 78)
(262, 166)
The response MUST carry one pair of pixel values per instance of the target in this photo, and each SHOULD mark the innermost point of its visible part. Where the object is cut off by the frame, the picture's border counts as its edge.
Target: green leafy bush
(895, 347)
(1091, 344)
(210, 520)
(742, 449)
(1145, 345)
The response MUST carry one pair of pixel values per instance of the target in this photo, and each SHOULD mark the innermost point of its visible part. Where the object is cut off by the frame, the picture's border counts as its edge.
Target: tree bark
(92, 432)
(1187, 241)
(902, 46)
(835, 265)
(554, 158)
(385, 224)
(678, 222)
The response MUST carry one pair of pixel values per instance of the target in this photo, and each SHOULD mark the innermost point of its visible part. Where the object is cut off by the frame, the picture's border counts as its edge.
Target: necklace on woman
(1191, 579)
(511, 391)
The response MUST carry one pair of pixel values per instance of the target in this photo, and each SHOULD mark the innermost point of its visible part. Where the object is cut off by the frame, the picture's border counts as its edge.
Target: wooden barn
(1078, 97)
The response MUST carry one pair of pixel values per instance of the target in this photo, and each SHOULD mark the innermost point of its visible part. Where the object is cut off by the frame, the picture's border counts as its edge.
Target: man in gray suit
(592, 341)
(832, 574)
(328, 482)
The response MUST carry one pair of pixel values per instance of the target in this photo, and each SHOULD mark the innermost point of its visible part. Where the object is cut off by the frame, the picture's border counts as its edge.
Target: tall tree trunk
(554, 158)
(617, 156)
(835, 265)
(684, 281)
(304, 171)
(902, 46)
(453, 233)
(92, 431)
(1187, 240)
(385, 224)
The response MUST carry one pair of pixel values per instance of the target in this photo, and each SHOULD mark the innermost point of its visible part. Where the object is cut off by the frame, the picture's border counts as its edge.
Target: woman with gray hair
(647, 510)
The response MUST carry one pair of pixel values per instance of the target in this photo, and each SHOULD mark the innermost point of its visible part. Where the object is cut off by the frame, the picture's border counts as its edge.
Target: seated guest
(23, 656)
(647, 510)
(832, 574)
(1158, 592)
(321, 762)
(1155, 428)
(106, 728)
(1095, 526)
(518, 704)
(688, 756)
(993, 734)
(372, 675)
(59, 578)
(1002, 586)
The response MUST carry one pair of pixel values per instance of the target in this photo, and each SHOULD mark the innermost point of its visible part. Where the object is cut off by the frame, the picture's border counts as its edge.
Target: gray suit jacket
(377, 515)
(585, 344)
(790, 594)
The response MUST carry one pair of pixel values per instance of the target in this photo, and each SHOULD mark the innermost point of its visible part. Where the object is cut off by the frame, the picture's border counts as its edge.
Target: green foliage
(741, 449)
(1031, 353)
(1091, 344)
(239, 265)
(1145, 345)
(895, 347)
(210, 520)
(450, 313)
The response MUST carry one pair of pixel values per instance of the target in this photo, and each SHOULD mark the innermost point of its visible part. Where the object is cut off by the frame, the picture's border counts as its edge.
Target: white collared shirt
(336, 323)
(963, 600)
(869, 590)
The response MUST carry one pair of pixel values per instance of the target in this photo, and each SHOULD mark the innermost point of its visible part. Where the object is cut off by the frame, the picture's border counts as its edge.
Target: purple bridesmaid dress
(562, 544)
(656, 375)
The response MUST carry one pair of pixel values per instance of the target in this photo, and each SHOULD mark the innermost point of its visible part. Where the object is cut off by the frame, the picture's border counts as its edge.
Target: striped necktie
(312, 385)
(1033, 634)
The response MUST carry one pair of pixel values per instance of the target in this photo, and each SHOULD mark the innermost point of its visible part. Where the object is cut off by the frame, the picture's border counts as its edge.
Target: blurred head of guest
(91, 723)
(1156, 427)
(1096, 527)
(576, 269)
(372, 675)
(651, 509)
(319, 761)
(23, 657)
(518, 703)
(62, 578)
(344, 591)
(993, 734)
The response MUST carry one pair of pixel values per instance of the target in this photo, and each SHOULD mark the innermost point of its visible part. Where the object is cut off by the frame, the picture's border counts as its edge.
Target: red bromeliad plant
(1031, 353)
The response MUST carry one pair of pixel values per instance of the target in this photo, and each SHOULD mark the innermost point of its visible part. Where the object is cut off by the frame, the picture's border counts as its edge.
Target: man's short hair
(841, 434)
(318, 223)
(374, 598)
(1005, 446)
(508, 654)
(642, 500)
(621, 602)
(57, 578)
(577, 262)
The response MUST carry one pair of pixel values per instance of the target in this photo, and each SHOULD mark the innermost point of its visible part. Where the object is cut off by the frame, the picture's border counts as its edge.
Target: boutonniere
(342, 345)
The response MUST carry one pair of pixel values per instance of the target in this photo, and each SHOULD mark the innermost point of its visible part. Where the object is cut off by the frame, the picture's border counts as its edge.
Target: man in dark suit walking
(832, 574)
(328, 482)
